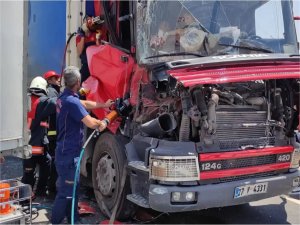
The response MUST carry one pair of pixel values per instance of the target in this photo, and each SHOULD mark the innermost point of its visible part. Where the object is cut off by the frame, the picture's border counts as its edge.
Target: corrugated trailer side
(13, 67)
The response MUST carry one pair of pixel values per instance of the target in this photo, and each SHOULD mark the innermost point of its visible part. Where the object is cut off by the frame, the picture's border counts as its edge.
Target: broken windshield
(211, 28)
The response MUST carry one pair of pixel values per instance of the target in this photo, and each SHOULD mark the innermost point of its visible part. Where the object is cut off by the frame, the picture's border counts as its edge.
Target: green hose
(77, 173)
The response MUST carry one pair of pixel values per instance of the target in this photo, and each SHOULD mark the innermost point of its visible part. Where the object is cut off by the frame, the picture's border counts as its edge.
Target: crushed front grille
(247, 142)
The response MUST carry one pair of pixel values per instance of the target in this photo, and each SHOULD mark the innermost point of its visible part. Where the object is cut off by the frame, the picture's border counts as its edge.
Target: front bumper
(218, 195)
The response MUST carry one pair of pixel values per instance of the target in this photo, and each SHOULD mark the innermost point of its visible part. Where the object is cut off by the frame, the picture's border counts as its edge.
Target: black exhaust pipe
(159, 126)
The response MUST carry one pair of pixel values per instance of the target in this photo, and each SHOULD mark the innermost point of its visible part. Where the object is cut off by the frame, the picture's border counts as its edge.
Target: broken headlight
(174, 168)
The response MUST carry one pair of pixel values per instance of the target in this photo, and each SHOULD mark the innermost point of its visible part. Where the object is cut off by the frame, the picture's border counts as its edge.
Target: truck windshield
(209, 28)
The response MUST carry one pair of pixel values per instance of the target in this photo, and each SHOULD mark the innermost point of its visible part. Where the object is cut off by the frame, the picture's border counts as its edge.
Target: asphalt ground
(277, 210)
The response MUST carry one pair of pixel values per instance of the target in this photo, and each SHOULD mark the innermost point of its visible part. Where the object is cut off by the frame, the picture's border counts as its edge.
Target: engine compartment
(217, 117)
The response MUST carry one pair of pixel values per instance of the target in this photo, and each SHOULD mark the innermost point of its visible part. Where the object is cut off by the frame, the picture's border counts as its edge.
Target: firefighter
(71, 115)
(53, 80)
(87, 36)
(53, 88)
(41, 108)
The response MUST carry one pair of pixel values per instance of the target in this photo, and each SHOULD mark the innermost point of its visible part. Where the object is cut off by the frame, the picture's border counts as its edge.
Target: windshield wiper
(175, 54)
(260, 49)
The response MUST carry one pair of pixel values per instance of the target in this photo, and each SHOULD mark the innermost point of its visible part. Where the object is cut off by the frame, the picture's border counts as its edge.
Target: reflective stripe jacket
(42, 108)
(53, 92)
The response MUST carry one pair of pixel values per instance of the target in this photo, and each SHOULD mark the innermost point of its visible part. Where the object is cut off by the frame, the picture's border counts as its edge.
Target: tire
(108, 162)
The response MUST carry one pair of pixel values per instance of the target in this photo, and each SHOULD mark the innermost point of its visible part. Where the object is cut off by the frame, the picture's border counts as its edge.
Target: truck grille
(237, 128)
(244, 162)
(235, 165)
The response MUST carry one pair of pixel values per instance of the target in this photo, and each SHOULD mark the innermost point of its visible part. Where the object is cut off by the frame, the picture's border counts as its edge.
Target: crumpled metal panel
(193, 76)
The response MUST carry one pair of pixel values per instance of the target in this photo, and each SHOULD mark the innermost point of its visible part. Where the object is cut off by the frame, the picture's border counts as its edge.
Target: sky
(297, 13)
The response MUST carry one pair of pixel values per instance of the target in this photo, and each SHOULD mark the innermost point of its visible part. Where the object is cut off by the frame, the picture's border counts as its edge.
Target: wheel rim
(106, 175)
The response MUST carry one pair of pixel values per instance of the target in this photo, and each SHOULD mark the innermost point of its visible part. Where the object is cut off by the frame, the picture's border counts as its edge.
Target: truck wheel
(108, 162)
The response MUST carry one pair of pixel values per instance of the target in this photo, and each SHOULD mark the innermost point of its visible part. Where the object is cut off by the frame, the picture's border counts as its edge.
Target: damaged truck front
(214, 95)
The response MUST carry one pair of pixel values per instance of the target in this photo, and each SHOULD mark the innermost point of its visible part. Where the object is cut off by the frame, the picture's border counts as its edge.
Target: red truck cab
(212, 114)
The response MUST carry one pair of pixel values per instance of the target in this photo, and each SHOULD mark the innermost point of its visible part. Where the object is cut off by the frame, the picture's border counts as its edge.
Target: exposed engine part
(256, 101)
(226, 97)
(186, 102)
(221, 116)
(211, 116)
(161, 125)
(277, 110)
(200, 101)
(184, 133)
(289, 114)
(195, 115)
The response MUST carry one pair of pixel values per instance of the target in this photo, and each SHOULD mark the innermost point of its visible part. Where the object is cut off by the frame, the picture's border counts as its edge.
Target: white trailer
(26, 52)
(13, 79)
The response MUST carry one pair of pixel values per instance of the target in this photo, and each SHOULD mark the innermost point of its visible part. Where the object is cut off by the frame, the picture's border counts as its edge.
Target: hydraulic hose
(65, 52)
(108, 119)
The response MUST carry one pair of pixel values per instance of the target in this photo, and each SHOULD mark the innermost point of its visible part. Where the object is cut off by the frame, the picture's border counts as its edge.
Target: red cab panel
(109, 66)
(110, 71)
(94, 87)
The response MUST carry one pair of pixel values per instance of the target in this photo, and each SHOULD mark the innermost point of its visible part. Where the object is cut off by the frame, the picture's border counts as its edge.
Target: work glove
(83, 29)
(80, 32)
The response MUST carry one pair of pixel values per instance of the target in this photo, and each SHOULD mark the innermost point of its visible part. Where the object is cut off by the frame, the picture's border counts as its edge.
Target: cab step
(138, 165)
(138, 200)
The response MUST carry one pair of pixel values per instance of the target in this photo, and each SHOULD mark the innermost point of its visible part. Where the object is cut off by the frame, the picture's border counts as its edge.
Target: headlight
(295, 159)
(296, 155)
(174, 168)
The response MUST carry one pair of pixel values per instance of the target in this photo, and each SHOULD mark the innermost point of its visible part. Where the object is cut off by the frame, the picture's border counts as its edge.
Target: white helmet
(39, 83)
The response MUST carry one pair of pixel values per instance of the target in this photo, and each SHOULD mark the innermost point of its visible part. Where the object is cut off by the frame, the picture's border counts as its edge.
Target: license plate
(250, 189)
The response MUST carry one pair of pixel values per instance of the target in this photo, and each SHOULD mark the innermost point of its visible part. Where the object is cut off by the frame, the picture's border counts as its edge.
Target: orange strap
(37, 150)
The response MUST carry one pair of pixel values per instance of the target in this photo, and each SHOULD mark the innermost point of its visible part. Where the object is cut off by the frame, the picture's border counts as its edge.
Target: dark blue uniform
(69, 128)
